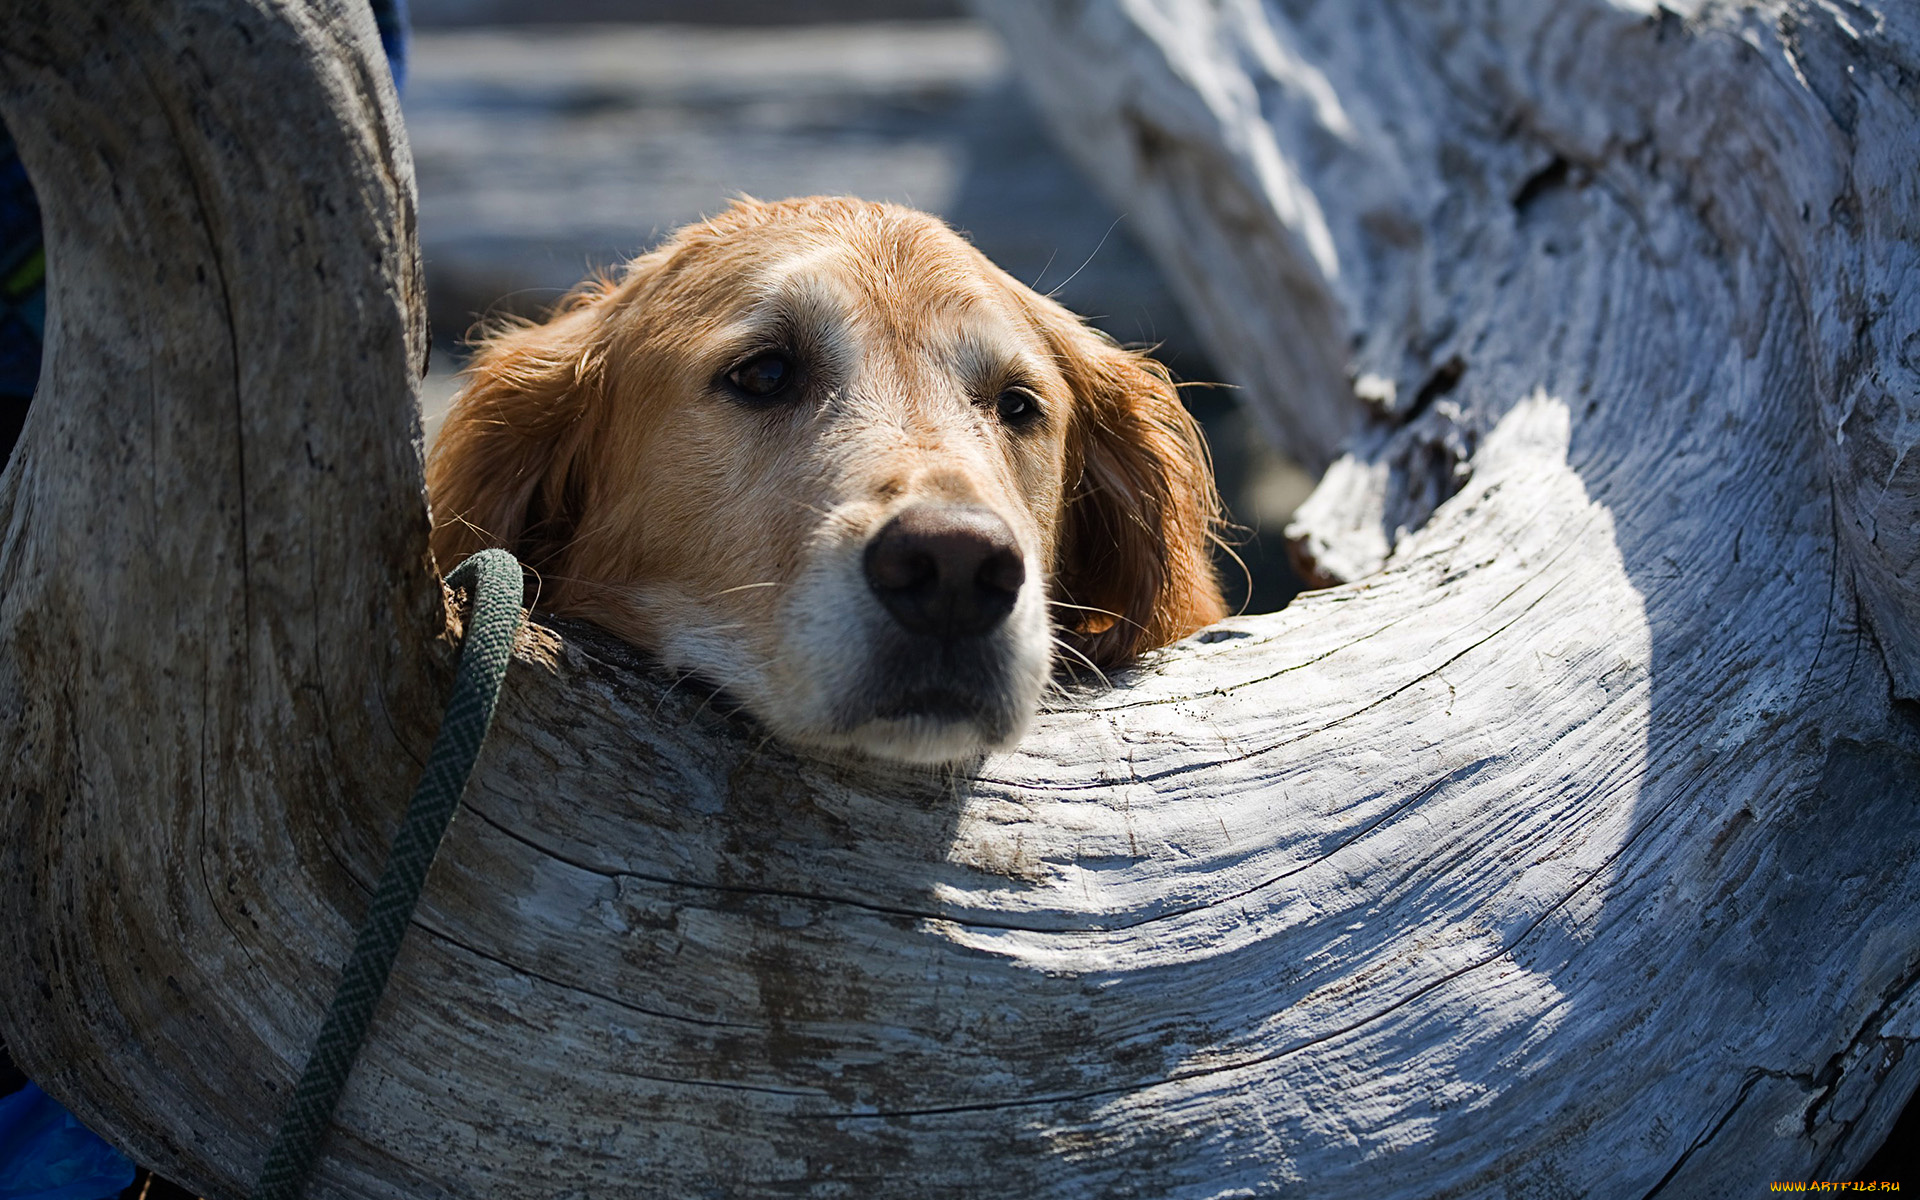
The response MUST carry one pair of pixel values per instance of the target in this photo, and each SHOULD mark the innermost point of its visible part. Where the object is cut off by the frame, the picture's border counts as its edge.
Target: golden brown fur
(612, 449)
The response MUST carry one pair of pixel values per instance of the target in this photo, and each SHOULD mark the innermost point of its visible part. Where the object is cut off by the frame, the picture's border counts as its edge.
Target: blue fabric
(390, 16)
(22, 294)
(47, 1155)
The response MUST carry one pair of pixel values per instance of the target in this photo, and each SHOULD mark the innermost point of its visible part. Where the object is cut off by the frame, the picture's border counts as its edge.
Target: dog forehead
(929, 315)
(833, 262)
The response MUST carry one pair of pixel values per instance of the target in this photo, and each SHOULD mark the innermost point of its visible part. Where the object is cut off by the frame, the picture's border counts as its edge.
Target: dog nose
(949, 570)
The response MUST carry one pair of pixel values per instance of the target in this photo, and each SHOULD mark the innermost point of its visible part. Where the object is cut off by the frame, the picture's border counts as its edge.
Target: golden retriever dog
(824, 455)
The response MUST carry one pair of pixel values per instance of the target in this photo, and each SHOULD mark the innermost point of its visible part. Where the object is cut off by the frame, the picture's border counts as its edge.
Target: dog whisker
(1061, 644)
(1035, 285)
(679, 678)
(1246, 572)
(1058, 287)
(746, 587)
(1118, 618)
(1105, 612)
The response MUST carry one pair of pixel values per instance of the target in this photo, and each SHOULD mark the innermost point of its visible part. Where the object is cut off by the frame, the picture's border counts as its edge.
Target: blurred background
(555, 138)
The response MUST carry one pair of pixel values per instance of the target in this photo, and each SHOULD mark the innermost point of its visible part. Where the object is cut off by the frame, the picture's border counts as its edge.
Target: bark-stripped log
(1570, 847)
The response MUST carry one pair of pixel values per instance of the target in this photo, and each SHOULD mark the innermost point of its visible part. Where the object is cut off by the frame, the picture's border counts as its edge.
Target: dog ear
(1135, 567)
(500, 473)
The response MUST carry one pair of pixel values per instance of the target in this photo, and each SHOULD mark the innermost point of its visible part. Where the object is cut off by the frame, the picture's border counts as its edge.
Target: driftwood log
(1568, 848)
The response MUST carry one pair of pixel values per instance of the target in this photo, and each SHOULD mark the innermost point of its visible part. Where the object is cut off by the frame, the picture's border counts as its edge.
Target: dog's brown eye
(1017, 406)
(764, 376)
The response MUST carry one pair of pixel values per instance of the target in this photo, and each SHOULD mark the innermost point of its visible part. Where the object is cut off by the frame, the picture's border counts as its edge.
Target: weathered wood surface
(1570, 850)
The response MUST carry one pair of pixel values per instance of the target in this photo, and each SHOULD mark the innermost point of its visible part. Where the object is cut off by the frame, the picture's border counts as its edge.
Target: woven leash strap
(493, 578)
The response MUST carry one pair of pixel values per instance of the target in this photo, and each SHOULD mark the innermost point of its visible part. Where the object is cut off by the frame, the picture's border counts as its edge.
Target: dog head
(825, 455)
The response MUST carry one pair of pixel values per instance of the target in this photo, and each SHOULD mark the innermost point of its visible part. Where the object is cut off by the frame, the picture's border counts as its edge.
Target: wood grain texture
(1568, 848)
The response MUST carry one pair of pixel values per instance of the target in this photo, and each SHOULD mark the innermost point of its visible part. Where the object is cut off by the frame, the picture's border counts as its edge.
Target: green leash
(493, 577)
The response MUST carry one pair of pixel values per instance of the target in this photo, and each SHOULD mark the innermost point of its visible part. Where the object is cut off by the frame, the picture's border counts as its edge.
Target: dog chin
(928, 726)
(927, 740)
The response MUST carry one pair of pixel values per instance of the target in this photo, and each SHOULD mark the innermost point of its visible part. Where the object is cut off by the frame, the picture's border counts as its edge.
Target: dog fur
(622, 449)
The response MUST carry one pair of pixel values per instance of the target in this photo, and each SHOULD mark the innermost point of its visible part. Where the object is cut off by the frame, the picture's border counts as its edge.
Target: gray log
(1570, 847)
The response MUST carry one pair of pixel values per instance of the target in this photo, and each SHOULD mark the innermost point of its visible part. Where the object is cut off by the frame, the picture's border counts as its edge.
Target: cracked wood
(1569, 840)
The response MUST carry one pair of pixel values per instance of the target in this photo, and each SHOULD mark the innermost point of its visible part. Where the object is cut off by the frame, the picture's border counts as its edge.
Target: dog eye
(763, 376)
(1017, 406)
